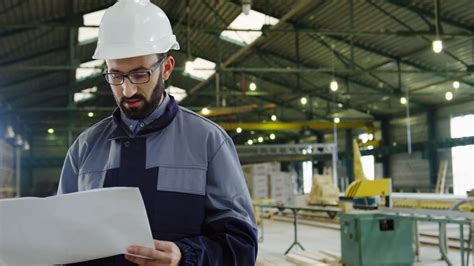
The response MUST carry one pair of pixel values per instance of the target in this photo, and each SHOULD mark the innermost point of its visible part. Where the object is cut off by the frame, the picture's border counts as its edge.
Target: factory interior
(353, 120)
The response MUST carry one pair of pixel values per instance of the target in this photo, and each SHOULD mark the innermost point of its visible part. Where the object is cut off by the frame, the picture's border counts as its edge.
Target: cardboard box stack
(265, 180)
(256, 176)
(282, 188)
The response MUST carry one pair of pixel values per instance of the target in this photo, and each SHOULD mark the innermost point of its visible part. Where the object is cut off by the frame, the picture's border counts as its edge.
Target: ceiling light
(437, 46)
(90, 114)
(18, 140)
(448, 96)
(10, 133)
(249, 142)
(403, 100)
(337, 120)
(456, 84)
(304, 100)
(26, 146)
(205, 111)
(239, 130)
(437, 43)
(274, 117)
(253, 86)
(51, 130)
(260, 139)
(333, 85)
(272, 136)
(188, 68)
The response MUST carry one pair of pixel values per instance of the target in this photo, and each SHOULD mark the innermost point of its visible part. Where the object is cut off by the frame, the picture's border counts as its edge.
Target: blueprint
(72, 227)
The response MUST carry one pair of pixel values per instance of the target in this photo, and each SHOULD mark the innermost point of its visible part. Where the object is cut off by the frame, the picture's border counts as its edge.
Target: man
(185, 166)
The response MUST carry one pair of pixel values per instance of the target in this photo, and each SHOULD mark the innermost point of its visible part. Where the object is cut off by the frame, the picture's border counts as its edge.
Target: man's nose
(128, 88)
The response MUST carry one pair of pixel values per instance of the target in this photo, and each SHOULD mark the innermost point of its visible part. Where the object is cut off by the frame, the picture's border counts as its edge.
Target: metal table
(442, 217)
(332, 212)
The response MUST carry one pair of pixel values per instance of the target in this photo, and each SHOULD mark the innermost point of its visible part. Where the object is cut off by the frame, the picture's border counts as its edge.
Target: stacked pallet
(266, 181)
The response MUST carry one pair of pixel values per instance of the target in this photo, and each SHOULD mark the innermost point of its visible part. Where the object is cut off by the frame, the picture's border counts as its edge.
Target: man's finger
(140, 261)
(136, 260)
(157, 255)
(142, 251)
(163, 245)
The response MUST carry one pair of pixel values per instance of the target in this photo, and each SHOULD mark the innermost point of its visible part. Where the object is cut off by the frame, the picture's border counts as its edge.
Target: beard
(148, 105)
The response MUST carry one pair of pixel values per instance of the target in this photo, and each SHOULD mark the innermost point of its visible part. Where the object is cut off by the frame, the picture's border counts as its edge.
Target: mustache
(133, 97)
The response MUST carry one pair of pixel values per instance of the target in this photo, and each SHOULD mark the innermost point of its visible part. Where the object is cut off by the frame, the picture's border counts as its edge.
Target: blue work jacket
(190, 178)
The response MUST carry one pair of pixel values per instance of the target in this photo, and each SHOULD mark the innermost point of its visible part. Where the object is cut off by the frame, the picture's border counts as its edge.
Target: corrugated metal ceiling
(35, 33)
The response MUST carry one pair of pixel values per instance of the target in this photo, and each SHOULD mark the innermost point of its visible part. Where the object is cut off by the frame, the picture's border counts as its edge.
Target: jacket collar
(120, 130)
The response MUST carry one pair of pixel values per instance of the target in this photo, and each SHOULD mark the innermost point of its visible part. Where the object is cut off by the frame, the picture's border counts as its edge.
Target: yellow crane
(363, 187)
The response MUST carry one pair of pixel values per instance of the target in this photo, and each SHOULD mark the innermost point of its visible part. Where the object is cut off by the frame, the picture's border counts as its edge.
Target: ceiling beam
(410, 5)
(255, 47)
(301, 5)
(64, 90)
(401, 22)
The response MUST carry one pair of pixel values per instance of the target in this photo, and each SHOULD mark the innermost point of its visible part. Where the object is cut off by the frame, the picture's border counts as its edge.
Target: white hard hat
(133, 28)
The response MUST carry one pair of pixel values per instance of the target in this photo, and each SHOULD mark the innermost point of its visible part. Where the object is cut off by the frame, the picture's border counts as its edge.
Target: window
(90, 19)
(84, 95)
(253, 21)
(368, 164)
(462, 156)
(200, 69)
(368, 161)
(307, 176)
(89, 69)
(178, 93)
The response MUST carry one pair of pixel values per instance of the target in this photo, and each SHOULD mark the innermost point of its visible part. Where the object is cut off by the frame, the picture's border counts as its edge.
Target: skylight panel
(90, 19)
(253, 21)
(200, 68)
(87, 69)
(178, 93)
(86, 34)
(93, 18)
(85, 94)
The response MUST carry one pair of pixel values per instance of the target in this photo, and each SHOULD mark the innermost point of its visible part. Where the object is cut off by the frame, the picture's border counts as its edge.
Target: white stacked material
(281, 188)
(256, 176)
(6, 169)
(258, 186)
(275, 166)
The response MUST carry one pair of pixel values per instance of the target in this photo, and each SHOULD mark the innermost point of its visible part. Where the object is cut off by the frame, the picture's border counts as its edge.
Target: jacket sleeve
(229, 234)
(69, 174)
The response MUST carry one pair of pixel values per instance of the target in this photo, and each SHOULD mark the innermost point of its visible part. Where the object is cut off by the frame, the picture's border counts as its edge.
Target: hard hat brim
(119, 51)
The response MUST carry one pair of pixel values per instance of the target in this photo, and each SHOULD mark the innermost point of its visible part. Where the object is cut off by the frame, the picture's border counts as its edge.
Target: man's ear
(168, 67)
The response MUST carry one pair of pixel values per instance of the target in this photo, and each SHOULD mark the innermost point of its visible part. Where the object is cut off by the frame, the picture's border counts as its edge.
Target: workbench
(331, 212)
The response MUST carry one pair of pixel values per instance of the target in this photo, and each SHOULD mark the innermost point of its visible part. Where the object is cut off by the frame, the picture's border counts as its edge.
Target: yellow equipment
(362, 187)
(223, 111)
(257, 211)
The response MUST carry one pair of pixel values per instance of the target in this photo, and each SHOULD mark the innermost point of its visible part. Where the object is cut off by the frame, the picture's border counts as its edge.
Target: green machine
(369, 239)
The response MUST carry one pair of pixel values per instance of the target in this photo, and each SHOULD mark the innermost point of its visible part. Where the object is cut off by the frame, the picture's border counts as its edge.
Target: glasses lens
(114, 78)
(139, 77)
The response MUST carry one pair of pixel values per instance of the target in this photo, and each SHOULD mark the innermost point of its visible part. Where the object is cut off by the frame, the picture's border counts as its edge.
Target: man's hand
(165, 253)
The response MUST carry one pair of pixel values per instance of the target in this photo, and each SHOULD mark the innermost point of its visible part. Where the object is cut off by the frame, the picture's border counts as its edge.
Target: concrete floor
(279, 235)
